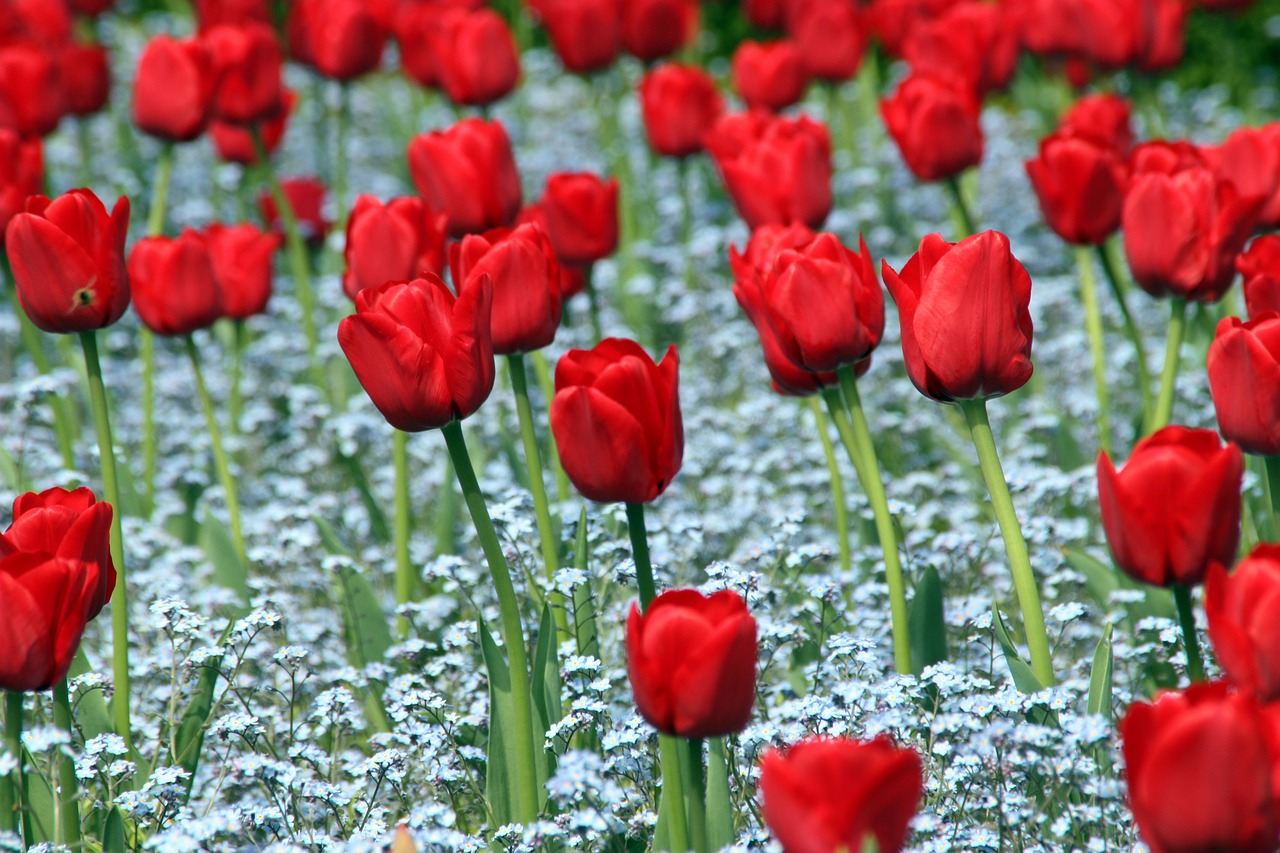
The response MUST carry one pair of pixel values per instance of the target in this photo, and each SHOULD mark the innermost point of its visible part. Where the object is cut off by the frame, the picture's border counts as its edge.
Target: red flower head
(249, 69)
(21, 174)
(1260, 266)
(580, 211)
(1102, 118)
(339, 38)
(526, 284)
(680, 103)
(174, 291)
(234, 142)
(476, 57)
(306, 200)
(241, 260)
(1244, 377)
(396, 241)
(469, 173)
(173, 89)
(975, 43)
(586, 34)
(769, 75)
(26, 70)
(1250, 159)
(86, 77)
(1244, 621)
(832, 38)
(935, 121)
(1080, 185)
(652, 29)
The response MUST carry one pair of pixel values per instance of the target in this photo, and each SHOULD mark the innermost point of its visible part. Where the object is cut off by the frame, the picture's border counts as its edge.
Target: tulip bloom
(832, 39)
(1250, 159)
(211, 13)
(468, 173)
(174, 290)
(1244, 621)
(1244, 378)
(935, 122)
(616, 421)
(21, 174)
(692, 662)
(173, 88)
(580, 211)
(892, 20)
(1102, 118)
(68, 261)
(1199, 765)
(235, 144)
(423, 357)
(397, 241)
(526, 284)
(973, 42)
(966, 327)
(24, 71)
(1260, 266)
(55, 575)
(652, 29)
(241, 259)
(339, 38)
(680, 103)
(586, 34)
(85, 78)
(775, 169)
(1175, 506)
(249, 68)
(822, 795)
(1080, 185)
(769, 75)
(306, 200)
(476, 56)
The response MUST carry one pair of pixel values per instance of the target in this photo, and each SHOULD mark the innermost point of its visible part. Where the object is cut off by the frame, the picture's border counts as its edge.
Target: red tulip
(234, 142)
(769, 75)
(248, 66)
(966, 327)
(306, 200)
(586, 34)
(396, 241)
(934, 120)
(1260, 266)
(975, 43)
(68, 261)
(339, 38)
(1200, 769)
(1244, 378)
(680, 103)
(826, 795)
(45, 24)
(892, 20)
(469, 173)
(1080, 185)
(415, 27)
(765, 14)
(21, 174)
(580, 211)
(652, 29)
(211, 13)
(763, 247)
(692, 662)
(1175, 506)
(1102, 118)
(1250, 159)
(173, 89)
(1166, 158)
(423, 357)
(86, 78)
(30, 90)
(476, 56)
(775, 169)
(241, 259)
(174, 290)
(55, 575)
(1164, 45)
(90, 8)
(1244, 621)
(616, 421)
(832, 39)
(526, 284)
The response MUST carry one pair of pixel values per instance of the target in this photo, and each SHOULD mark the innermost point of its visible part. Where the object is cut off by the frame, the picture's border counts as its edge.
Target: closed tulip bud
(769, 75)
(680, 103)
(586, 34)
(526, 284)
(1244, 378)
(1080, 185)
(55, 575)
(616, 421)
(692, 662)
(1244, 621)
(1105, 119)
(476, 56)
(248, 67)
(414, 30)
(21, 174)
(241, 259)
(776, 170)
(1174, 507)
(30, 90)
(397, 241)
(174, 290)
(235, 144)
(469, 173)
(423, 357)
(1199, 765)
(68, 261)
(1250, 159)
(825, 795)
(935, 122)
(580, 211)
(306, 199)
(1260, 266)
(85, 76)
(339, 38)
(652, 29)
(975, 43)
(173, 89)
(966, 327)
(832, 39)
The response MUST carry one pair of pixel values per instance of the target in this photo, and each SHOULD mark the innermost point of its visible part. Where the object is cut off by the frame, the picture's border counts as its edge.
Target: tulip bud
(831, 36)
(652, 29)
(339, 38)
(934, 120)
(1260, 266)
(476, 56)
(1244, 379)
(173, 88)
(398, 241)
(584, 33)
(580, 211)
(241, 259)
(1080, 186)
(248, 66)
(26, 69)
(1244, 620)
(174, 290)
(679, 103)
(468, 173)
(769, 75)
(526, 284)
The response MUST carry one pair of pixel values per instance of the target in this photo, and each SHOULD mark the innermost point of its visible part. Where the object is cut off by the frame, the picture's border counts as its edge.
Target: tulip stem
(1169, 375)
(1131, 330)
(1093, 323)
(533, 461)
(1024, 579)
(111, 486)
(147, 347)
(837, 486)
(673, 792)
(640, 550)
(406, 578)
(220, 460)
(68, 794)
(239, 339)
(543, 372)
(512, 631)
(961, 206)
(160, 190)
(13, 797)
(1187, 619)
(686, 221)
(340, 159)
(851, 423)
(694, 791)
(1272, 465)
(593, 303)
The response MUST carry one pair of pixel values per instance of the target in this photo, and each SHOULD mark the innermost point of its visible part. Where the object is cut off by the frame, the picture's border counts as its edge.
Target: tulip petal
(597, 438)
(56, 278)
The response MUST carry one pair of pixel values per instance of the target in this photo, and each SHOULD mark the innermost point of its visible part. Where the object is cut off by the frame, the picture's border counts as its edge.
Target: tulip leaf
(91, 705)
(190, 738)
(720, 829)
(546, 677)
(1023, 677)
(113, 839)
(661, 830)
(584, 606)
(228, 570)
(9, 470)
(926, 622)
(1102, 580)
(329, 537)
(500, 781)
(1100, 677)
(40, 804)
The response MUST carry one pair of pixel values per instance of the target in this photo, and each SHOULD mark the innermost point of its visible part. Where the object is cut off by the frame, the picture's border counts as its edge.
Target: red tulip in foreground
(1174, 508)
(68, 261)
(1244, 378)
(966, 327)
(692, 662)
(55, 575)
(679, 103)
(1244, 621)
(616, 421)
(1200, 771)
(397, 241)
(934, 120)
(526, 284)
(825, 795)
(241, 259)
(174, 291)
(469, 173)
(423, 357)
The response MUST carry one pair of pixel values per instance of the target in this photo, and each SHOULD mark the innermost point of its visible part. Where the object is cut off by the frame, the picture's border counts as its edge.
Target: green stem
(160, 190)
(1187, 619)
(147, 345)
(873, 485)
(1024, 579)
(673, 791)
(1093, 324)
(220, 460)
(68, 795)
(961, 206)
(512, 631)
(543, 372)
(640, 550)
(239, 340)
(1169, 375)
(686, 221)
(695, 795)
(1131, 329)
(406, 577)
(13, 797)
(111, 486)
(446, 512)
(1272, 464)
(837, 486)
(533, 461)
(593, 303)
(340, 160)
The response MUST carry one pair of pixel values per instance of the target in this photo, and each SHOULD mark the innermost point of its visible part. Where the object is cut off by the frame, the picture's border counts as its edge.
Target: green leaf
(39, 803)
(500, 781)
(367, 631)
(546, 678)
(1100, 677)
(584, 606)
(329, 537)
(190, 738)
(216, 542)
(926, 622)
(1102, 579)
(1023, 678)
(91, 705)
(720, 829)
(113, 839)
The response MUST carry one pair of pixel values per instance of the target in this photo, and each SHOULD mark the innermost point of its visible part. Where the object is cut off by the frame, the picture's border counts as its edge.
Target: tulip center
(82, 298)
